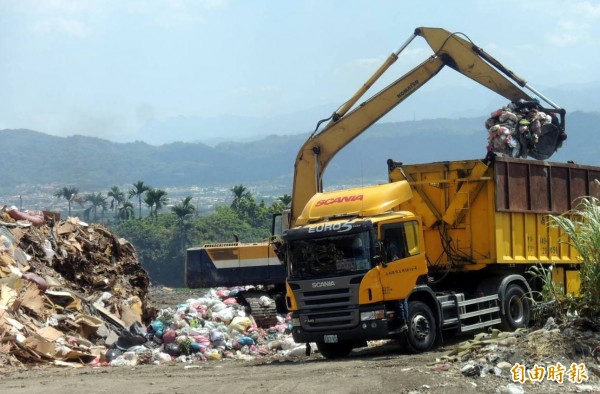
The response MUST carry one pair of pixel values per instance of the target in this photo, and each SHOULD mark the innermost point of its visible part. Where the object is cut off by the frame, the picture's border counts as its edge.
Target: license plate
(330, 338)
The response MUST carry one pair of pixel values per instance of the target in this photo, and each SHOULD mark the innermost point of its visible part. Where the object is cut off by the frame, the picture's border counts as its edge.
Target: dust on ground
(383, 367)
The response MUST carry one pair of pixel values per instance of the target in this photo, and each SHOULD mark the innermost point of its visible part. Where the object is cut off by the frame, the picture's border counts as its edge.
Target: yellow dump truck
(460, 232)
(443, 248)
(235, 263)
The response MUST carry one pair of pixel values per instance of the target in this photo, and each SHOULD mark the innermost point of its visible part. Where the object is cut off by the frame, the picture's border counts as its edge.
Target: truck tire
(334, 350)
(516, 308)
(420, 336)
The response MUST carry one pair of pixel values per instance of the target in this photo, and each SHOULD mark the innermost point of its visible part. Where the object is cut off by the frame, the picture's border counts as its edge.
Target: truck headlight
(372, 315)
(295, 322)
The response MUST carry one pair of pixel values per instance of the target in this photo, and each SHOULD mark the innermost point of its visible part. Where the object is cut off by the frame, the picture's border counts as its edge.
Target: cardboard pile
(65, 288)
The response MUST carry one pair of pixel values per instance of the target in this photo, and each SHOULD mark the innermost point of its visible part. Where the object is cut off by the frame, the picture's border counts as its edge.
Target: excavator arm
(318, 151)
(449, 50)
(260, 263)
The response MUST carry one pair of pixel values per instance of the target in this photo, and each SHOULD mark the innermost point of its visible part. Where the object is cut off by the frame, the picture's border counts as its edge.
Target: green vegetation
(126, 211)
(117, 197)
(155, 199)
(551, 299)
(96, 200)
(138, 190)
(68, 193)
(184, 211)
(581, 228)
(162, 237)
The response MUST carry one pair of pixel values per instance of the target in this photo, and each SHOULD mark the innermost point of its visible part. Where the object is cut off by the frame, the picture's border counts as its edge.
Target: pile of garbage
(65, 285)
(212, 327)
(570, 352)
(516, 129)
(72, 293)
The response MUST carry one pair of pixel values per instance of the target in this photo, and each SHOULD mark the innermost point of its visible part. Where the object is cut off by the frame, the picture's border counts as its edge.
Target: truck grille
(333, 308)
(329, 320)
(326, 298)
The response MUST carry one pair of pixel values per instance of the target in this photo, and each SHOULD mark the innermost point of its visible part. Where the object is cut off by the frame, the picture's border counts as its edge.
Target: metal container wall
(474, 214)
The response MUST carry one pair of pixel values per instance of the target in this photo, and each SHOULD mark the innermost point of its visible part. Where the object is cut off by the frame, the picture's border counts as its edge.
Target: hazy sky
(107, 66)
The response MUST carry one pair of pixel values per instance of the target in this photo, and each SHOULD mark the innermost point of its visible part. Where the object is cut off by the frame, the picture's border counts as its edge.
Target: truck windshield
(332, 255)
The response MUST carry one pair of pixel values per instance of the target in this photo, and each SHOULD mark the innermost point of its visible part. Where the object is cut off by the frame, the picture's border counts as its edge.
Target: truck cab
(361, 268)
(349, 272)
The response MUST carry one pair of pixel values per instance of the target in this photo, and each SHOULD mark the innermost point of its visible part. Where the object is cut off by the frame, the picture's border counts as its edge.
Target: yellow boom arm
(449, 50)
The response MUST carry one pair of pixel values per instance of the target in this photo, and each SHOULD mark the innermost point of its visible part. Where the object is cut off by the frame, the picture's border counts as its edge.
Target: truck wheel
(334, 350)
(420, 336)
(516, 308)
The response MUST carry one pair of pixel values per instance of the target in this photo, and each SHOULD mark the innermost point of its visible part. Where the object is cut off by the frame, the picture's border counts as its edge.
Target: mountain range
(34, 158)
(430, 102)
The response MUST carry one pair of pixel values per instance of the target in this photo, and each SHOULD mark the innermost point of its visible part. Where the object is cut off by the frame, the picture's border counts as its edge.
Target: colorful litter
(72, 293)
(212, 327)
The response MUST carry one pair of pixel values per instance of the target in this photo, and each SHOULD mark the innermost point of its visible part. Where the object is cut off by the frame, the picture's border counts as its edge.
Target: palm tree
(160, 200)
(286, 199)
(68, 193)
(138, 190)
(96, 200)
(126, 211)
(239, 192)
(155, 199)
(117, 195)
(184, 210)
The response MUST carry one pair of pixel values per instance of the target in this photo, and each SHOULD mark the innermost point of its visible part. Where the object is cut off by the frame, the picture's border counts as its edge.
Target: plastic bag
(169, 336)
(265, 301)
(213, 355)
(226, 315)
(48, 251)
(112, 354)
(240, 324)
(217, 307)
(132, 337)
(172, 349)
(245, 341)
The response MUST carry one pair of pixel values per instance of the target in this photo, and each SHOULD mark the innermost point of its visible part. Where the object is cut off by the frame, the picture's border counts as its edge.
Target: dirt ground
(383, 368)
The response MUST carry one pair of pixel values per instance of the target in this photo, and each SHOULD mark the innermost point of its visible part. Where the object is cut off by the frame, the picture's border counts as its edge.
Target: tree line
(162, 237)
(117, 200)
